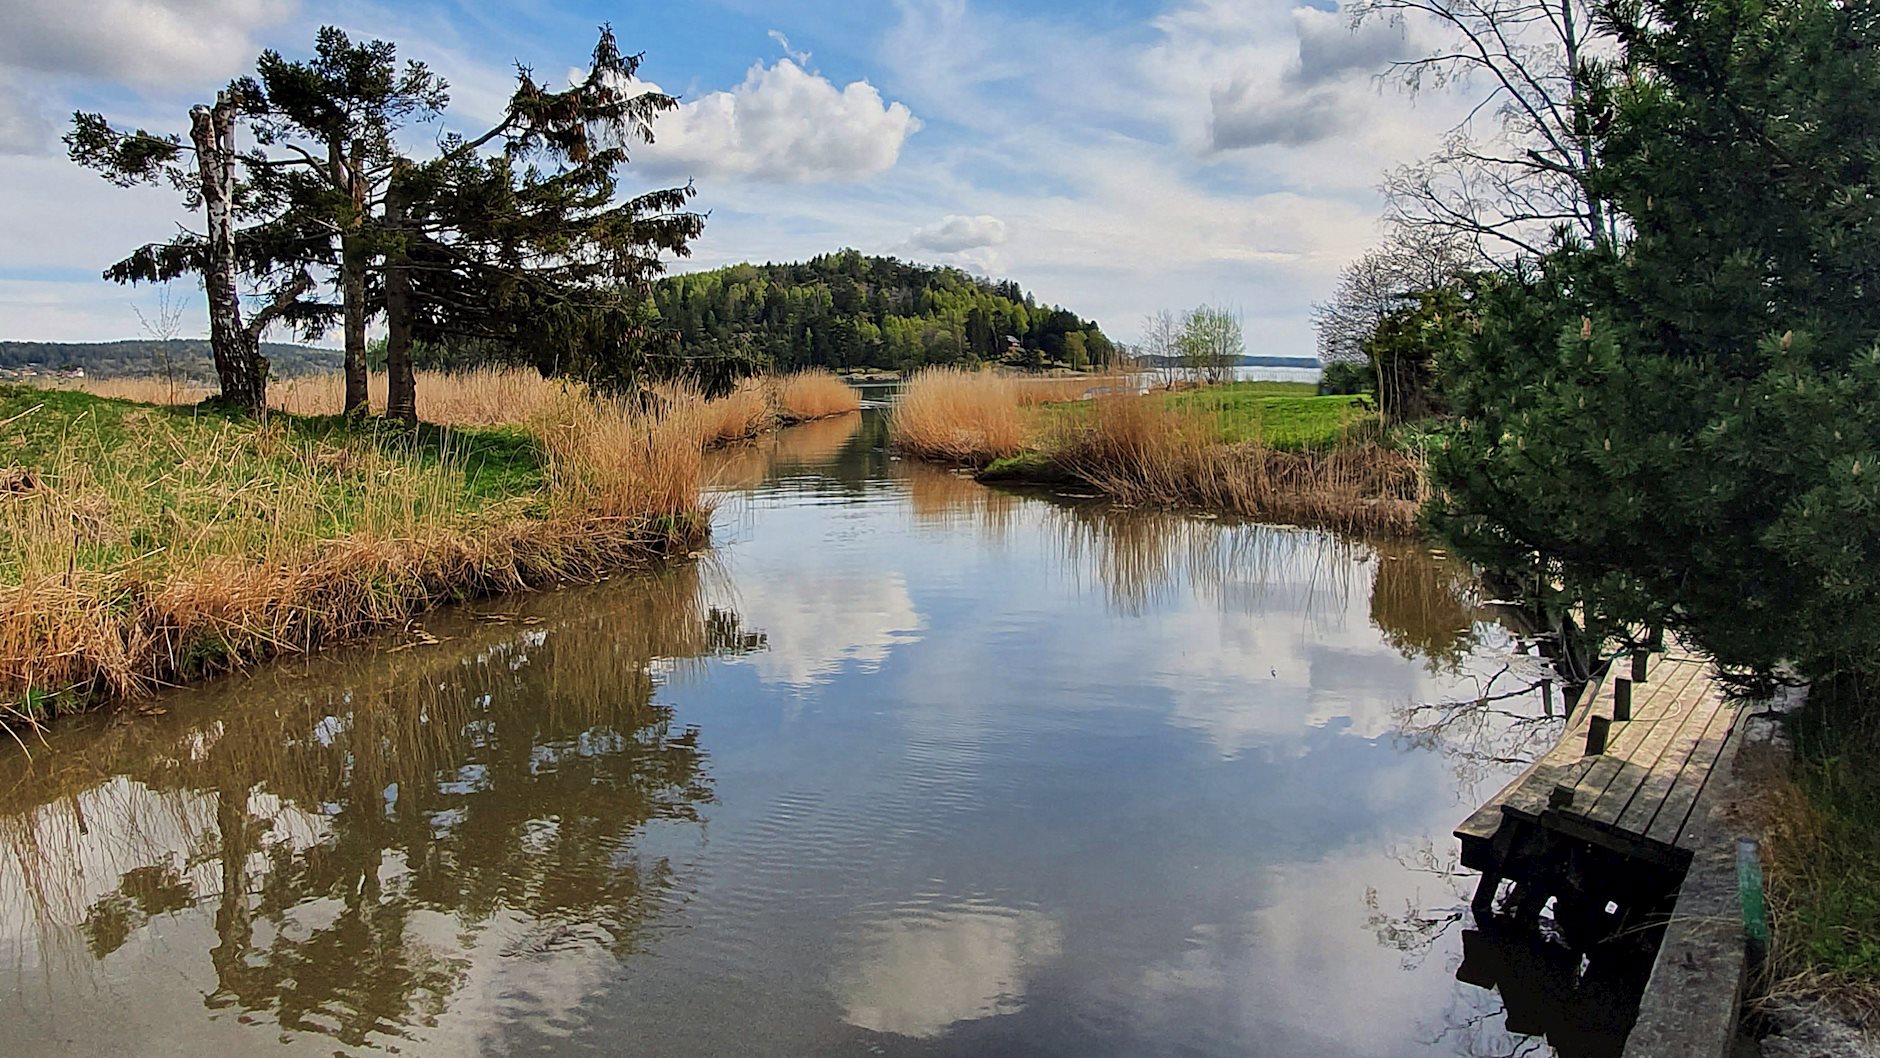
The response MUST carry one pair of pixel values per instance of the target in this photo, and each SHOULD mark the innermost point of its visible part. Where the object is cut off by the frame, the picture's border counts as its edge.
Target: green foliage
(850, 310)
(1406, 345)
(1346, 378)
(1686, 427)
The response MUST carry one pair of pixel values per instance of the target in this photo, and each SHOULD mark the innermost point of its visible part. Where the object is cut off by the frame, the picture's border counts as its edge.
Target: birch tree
(1532, 66)
(211, 174)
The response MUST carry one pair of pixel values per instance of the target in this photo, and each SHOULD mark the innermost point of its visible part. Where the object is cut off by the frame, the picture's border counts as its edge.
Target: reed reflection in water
(989, 772)
(356, 851)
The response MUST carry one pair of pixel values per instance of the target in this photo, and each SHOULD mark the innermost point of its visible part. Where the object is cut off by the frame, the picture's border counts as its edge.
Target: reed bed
(141, 546)
(1057, 390)
(953, 415)
(1140, 450)
(813, 394)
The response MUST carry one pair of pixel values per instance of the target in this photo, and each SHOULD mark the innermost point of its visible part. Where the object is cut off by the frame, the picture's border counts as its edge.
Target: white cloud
(783, 124)
(1319, 94)
(146, 41)
(820, 621)
(920, 974)
(955, 233)
(25, 127)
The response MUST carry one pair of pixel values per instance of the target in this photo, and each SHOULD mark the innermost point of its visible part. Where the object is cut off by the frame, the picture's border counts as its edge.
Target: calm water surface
(907, 767)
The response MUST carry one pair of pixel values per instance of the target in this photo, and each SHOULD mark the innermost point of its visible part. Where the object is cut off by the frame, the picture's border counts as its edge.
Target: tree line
(1645, 304)
(315, 209)
(848, 309)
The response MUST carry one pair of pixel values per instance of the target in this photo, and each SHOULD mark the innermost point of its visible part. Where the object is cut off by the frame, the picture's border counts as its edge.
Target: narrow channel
(904, 766)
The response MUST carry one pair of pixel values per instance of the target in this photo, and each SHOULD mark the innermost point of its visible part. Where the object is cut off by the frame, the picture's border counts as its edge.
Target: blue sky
(1118, 157)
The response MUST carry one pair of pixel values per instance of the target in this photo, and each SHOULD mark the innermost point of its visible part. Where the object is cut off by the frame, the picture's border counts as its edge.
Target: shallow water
(906, 767)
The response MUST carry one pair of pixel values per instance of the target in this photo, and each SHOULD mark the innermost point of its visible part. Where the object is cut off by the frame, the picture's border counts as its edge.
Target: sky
(1117, 157)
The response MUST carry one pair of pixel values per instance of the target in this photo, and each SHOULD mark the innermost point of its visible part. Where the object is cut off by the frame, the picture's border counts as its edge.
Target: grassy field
(142, 545)
(1285, 415)
(1261, 449)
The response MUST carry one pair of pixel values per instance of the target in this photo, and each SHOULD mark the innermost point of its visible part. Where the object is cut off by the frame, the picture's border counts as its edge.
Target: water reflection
(921, 971)
(368, 845)
(990, 772)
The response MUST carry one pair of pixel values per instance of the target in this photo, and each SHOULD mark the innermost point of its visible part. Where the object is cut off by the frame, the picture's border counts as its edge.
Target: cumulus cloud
(1331, 49)
(955, 233)
(1245, 115)
(147, 41)
(1320, 94)
(784, 124)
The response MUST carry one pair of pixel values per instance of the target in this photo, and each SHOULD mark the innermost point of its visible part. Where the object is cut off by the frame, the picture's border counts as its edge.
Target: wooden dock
(1602, 824)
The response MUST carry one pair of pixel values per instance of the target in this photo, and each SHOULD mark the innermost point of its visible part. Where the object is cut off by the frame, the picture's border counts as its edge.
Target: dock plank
(1706, 703)
(1657, 722)
(1669, 824)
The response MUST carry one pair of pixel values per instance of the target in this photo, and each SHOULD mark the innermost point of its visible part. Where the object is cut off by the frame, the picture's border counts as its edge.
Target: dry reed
(1140, 451)
(814, 394)
(957, 416)
(154, 547)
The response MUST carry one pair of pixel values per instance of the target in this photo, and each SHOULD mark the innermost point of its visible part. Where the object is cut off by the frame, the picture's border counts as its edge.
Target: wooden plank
(1605, 770)
(1664, 714)
(1676, 807)
(1640, 814)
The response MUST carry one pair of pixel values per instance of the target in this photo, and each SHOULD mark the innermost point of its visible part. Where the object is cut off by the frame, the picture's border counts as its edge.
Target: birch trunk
(238, 364)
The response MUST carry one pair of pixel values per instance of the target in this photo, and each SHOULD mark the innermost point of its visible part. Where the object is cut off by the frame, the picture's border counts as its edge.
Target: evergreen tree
(1686, 427)
(335, 116)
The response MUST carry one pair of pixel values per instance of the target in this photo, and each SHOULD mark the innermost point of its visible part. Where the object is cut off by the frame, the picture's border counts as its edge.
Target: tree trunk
(238, 364)
(401, 400)
(353, 264)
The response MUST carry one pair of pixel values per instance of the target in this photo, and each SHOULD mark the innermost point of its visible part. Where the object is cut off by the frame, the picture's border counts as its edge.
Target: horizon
(1137, 156)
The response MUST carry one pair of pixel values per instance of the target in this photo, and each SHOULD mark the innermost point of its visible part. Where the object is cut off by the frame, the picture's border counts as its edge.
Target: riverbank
(1271, 451)
(1821, 821)
(143, 545)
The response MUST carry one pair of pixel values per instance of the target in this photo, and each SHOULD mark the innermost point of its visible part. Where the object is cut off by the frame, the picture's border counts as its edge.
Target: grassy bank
(1824, 853)
(1265, 450)
(142, 545)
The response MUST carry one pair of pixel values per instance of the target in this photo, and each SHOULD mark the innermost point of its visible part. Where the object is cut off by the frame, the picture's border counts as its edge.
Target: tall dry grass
(814, 394)
(1033, 391)
(958, 416)
(482, 397)
(143, 547)
(1139, 450)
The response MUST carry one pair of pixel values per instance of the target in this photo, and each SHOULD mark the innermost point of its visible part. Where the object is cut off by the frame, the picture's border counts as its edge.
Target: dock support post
(1622, 699)
(1640, 659)
(1597, 728)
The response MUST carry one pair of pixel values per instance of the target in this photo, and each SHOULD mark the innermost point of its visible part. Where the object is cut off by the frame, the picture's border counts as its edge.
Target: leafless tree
(1508, 186)
(163, 325)
(1410, 259)
(1160, 335)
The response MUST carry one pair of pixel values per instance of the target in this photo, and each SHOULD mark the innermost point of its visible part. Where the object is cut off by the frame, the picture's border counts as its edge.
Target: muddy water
(910, 767)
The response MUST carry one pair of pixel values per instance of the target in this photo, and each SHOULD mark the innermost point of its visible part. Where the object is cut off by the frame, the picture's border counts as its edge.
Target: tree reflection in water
(356, 839)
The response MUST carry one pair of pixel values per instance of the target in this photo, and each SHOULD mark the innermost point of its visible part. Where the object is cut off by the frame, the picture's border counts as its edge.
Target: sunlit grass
(143, 544)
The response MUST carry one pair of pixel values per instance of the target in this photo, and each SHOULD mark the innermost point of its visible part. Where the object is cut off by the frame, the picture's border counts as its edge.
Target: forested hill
(183, 358)
(851, 310)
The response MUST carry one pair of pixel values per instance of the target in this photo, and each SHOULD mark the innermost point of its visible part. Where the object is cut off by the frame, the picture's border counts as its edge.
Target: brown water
(909, 767)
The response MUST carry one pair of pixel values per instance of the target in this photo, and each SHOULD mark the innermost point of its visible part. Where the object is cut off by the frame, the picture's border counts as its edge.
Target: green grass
(1831, 903)
(1286, 415)
(148, 484)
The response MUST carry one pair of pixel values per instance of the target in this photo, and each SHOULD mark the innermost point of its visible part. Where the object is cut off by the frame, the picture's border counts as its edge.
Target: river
(905, 766)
